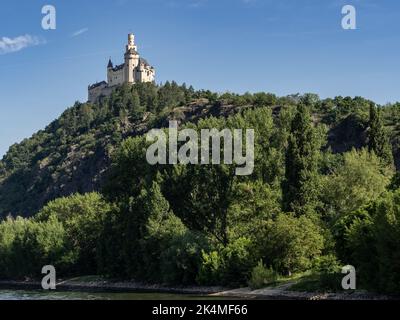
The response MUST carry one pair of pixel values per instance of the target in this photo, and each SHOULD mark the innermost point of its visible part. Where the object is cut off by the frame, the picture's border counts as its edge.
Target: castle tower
(131, 59)
(131, 42)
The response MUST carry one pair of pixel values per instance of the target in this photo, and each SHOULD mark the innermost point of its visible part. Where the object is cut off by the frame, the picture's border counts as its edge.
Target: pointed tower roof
(110, 64)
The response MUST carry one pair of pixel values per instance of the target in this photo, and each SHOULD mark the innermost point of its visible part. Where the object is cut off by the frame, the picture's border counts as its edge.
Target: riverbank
(279, 292)
(96, 284)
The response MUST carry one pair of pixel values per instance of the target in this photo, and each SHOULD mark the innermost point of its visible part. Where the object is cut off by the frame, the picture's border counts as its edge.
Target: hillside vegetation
(324, 192)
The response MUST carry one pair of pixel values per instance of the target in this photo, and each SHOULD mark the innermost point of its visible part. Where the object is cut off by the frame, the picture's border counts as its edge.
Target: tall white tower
(131, 59)
(131, 42)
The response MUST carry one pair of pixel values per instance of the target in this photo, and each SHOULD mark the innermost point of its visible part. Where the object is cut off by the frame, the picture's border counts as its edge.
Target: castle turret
(131, 42)
(110, 64)
(131, 59)
(110, 67)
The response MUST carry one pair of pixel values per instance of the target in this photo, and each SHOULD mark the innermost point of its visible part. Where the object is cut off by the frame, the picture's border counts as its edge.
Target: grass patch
(309, 283)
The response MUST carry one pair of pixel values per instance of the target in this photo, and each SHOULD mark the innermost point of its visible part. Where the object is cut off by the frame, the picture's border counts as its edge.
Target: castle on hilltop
(134, 70)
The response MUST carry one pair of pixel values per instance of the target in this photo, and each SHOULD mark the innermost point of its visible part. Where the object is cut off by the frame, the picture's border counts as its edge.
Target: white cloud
(79, 32)
(9, 45)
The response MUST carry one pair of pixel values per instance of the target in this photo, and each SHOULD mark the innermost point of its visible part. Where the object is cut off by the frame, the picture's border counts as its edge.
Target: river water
(57, 295)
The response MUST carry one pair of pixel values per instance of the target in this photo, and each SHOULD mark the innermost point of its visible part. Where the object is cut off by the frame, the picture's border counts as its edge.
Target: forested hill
(72, 154)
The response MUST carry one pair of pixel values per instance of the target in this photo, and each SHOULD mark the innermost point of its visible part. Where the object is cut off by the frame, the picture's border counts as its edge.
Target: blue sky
(279, 46)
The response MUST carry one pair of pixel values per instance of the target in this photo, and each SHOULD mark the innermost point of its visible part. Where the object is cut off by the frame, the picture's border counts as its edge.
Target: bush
(238, 261)
(210, 268)
(329, 274)
(180, 261)
(262, 276)
(230, 265)
(26, 246)
(290, 244)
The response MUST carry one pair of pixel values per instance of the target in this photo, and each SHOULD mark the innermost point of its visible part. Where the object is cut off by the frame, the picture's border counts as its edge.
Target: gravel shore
(281, 292)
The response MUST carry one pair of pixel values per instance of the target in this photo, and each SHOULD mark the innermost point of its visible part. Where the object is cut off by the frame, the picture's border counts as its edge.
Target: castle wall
(145, 74)
(100, 91)
(148, 75)
(116, 78)
(95, 92)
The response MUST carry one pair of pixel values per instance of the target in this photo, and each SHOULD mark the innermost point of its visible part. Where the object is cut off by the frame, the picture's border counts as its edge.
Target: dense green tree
(310, 99)
(151, 227)
(129, 172)
(229, 265)
(82, 218)
(360, 179)
(290, 244)
(301, 164)
(374, 246)
(26, 246)
(200, 196)
(253, 203)
(181, 258)
(378, 140)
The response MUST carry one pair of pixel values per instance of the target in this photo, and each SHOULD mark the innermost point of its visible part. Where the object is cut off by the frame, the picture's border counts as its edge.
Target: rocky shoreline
(281, 292)
(110, 286)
